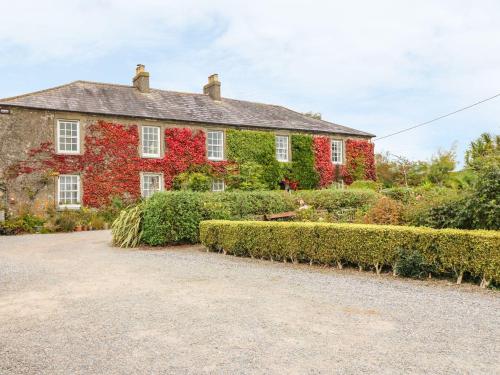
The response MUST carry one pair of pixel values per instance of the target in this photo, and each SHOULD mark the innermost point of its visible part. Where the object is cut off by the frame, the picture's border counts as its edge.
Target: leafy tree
(485, 145)
(315, 115)
(441, 166)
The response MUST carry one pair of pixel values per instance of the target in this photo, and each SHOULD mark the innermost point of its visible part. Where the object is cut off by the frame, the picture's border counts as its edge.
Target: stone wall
(24, 129)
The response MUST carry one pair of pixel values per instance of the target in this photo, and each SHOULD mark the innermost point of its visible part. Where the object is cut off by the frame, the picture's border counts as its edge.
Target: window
(337, 152)
(151, 141)
(282, 147)
(215, 145)
(150, 184)
(218, 185)
(69, 191)
(68, 137)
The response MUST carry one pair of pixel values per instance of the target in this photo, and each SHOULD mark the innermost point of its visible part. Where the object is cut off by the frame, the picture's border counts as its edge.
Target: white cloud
(378, 66)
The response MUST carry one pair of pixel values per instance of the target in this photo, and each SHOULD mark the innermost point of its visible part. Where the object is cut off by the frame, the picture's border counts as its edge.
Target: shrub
(174, 217)
(385, 211)
(126, 228)
(402, 194)
(250, 177)
(365, 184)
(66, 221)
(411, 263)
(194, 181)
(476, 252)
(335, 199)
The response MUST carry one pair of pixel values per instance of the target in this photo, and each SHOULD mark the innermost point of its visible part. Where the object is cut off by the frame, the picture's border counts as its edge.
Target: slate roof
(122, 100)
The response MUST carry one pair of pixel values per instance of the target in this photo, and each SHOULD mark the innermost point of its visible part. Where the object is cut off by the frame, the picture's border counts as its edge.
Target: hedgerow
(174, 216)
(377, 246)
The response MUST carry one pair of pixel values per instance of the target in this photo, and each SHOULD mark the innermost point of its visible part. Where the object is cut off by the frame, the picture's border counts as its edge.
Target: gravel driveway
(71, 304)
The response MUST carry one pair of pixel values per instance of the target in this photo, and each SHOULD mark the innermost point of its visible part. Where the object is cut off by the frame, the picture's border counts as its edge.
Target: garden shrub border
(446, 250)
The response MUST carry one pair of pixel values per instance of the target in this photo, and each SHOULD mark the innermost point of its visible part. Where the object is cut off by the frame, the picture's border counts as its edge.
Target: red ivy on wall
(111, 164)
(359, 157)
(356, 152)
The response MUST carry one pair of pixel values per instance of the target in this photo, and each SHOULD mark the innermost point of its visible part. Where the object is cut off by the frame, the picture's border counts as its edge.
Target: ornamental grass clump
(127, 227)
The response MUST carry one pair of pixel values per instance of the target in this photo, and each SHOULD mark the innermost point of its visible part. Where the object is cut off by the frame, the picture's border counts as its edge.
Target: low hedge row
(378, 246)
(174, 216)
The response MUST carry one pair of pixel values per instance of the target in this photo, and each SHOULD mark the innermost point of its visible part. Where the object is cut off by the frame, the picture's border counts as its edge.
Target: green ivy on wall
(302, 169)
(255, 147)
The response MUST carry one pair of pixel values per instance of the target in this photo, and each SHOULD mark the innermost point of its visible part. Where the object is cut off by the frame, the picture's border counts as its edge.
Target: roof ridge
(37, 92)
(176, 92)
(324, 121)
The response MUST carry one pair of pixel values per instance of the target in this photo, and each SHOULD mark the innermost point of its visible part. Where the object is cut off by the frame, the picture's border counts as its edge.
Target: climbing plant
(302, 169)
(258, 147)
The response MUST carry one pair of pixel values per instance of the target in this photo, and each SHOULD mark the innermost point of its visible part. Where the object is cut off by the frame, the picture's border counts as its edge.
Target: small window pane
(337, 152)
(68, 136)
(69, 190)
(215, 145)
(151, 183)
(218, 185)
(151, 141)
(282, 148)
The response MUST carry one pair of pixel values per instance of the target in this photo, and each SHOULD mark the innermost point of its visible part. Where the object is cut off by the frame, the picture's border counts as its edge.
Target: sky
(378, 66)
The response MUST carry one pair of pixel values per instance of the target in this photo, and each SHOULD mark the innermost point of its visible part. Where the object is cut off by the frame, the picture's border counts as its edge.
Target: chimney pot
(212, 88)
(141, 79)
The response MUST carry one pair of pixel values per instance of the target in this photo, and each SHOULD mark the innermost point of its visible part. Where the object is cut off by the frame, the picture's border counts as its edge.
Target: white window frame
(286, 149)
(218, 185)
(73, 206)
(147, 154)
(148, 174)
(339, 153)
(210, 144)
(58, 137)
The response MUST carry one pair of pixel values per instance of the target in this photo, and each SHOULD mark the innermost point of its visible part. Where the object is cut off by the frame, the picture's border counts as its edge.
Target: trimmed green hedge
(378, 246)
(174, 216)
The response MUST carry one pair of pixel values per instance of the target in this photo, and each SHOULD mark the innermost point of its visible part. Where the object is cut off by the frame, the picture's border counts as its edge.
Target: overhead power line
(438, 118)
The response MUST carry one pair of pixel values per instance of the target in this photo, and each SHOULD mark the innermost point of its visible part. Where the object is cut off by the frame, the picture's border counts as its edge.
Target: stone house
(48, 139)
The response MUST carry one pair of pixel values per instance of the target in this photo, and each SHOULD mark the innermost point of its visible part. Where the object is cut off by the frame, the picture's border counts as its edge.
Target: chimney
(212, 88)
(141, 79)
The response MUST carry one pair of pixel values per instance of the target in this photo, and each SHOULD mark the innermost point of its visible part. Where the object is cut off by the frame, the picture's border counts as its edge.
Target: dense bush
(26, 223)
(195, 181)
(174, 217)
(365, 184)
(378, 246)
(385, 211)
(335, 199)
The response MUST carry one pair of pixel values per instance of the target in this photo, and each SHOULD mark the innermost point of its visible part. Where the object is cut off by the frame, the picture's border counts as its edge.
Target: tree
(441, 166)
(315, 115)
(485, 145)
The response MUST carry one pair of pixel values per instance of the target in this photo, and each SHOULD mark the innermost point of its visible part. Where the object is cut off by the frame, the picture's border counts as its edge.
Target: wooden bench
(280, 216)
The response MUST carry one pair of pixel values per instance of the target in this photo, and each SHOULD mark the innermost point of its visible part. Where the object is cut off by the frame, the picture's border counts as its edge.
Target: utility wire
(438, 118)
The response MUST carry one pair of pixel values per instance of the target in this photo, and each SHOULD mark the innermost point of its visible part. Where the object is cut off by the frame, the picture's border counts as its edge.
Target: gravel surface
(71, 304)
